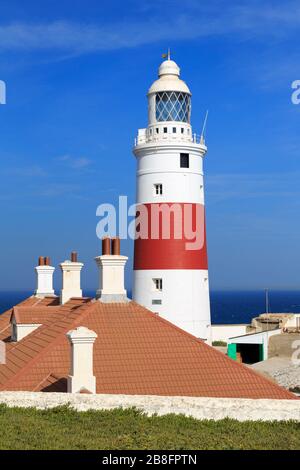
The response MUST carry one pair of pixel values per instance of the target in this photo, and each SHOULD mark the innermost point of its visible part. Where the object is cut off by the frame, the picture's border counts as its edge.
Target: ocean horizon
(227, 306)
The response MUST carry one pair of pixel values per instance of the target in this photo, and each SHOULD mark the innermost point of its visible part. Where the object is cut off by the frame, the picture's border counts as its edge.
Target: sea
(227, 307)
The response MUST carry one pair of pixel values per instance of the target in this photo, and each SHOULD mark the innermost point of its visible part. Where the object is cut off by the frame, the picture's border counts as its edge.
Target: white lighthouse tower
(170, 272)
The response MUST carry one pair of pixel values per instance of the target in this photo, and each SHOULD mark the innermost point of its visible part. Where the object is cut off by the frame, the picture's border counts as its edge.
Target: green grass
(65, 428)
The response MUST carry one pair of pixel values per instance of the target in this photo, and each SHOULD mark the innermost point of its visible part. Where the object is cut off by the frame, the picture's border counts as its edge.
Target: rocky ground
(289, 377)
(282, 370)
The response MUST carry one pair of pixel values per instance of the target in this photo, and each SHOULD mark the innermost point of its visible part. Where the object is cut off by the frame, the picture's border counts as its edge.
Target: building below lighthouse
(170, 256)
(108, 344)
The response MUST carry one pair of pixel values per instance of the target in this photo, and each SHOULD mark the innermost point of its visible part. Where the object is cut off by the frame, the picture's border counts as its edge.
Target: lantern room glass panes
(173, 106)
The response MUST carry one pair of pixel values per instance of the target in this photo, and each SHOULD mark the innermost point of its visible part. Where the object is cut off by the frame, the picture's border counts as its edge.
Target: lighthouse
(170, 256)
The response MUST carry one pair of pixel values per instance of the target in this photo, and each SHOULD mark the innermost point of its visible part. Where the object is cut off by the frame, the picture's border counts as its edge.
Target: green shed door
(231, 351)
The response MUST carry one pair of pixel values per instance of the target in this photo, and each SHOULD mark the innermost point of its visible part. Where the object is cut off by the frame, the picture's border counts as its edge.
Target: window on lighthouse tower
(158, 189)
(157, 284)
(184, 160)
(173, 106)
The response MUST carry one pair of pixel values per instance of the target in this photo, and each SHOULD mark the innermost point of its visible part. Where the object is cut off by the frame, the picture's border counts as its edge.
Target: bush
(219, 343)
(65, 428)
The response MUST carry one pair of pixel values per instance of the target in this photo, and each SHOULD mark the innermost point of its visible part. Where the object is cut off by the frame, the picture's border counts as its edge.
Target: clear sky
(77, 74)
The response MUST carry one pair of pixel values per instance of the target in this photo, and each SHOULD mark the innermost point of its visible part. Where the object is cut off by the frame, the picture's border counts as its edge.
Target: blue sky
(77, 74)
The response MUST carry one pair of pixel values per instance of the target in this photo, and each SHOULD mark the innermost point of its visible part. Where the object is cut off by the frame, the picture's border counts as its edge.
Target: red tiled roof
(136, 352)
(29, 302)
(32, 304)
(36, 315)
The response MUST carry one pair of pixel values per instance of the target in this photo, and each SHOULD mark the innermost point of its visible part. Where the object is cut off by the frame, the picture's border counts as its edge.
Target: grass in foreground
(65, 428)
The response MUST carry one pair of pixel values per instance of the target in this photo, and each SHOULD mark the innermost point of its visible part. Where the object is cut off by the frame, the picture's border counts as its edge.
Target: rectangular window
(165, 130)
(158, 189)
(157, 284)
(157, 130)
(174, 130)
(184, 160)
(182, 130)
(156, 301)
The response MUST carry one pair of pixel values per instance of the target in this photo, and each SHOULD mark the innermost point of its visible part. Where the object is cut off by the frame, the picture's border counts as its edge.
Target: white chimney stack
(44, 273)
(81, 378)
(71, 286)
(111, 272)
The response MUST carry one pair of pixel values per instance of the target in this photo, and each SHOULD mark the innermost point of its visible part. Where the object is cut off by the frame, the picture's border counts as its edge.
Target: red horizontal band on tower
(171, 253)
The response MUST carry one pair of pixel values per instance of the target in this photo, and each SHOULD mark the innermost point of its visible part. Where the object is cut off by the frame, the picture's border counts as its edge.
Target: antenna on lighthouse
(202, 137)
(168, 55)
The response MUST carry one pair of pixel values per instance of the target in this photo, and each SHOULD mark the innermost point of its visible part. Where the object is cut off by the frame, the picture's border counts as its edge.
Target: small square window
(174, 130)
(156, 301)
(165, 130)
(157, 284)
(184, 160)
(158, 189)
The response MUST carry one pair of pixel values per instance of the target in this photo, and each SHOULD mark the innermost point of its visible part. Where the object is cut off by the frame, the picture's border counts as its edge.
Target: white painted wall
(81, 375)
(240, 409)
(185, 297)
(71, 280)
(111, 277)
(21, 330)
(293, 322)
(44, 276)
(162, 165)
(224, 332)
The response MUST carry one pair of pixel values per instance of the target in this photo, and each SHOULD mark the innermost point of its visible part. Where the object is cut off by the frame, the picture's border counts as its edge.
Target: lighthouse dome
(168, 67)
(169, 97)
(169, 80)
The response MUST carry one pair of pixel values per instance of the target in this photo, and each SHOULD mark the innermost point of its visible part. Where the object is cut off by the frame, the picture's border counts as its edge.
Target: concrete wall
(200, 408)
(283, 345)
(224, 332)
(293, 322)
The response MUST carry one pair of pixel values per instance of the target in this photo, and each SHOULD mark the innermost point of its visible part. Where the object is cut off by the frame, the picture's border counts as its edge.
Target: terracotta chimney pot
(115, 244)
(106, 246)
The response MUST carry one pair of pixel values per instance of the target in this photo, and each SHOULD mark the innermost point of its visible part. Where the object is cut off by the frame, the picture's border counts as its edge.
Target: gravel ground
(288, 377)
(282, 371)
